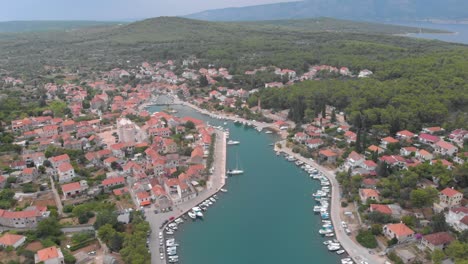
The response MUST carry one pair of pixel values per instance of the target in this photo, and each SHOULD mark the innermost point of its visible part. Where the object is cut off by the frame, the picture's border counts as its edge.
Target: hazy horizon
(111, 10)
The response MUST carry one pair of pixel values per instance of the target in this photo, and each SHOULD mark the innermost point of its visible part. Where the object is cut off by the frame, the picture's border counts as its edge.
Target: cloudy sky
(111, 9)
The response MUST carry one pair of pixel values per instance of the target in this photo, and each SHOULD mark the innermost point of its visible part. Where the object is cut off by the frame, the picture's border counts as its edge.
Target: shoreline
(215, 183)
(355, 251)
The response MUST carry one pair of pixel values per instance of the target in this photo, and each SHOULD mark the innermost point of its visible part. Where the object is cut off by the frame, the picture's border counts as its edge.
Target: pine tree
(333, 116)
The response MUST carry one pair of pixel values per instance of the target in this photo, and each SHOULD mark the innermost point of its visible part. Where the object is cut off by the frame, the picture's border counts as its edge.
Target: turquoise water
(266, 216)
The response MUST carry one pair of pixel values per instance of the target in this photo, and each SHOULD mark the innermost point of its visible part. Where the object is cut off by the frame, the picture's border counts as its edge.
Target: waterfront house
(301, 137)
(438, 240)
(445, 148)
(399, 231)
(368, 194)
(327, 156)
(50, 255)
(160, 197)
(12, 240)
(457, 218)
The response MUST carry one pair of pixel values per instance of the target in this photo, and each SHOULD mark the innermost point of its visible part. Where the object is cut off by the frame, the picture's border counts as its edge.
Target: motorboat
(235, 172)
(223, 190)
(291, 158)
(199, 214)
(333, 247)
(179, 220)
(341, 251)
(192, 215)
(299, 163)
(233, 142)
(268, 132)
(215, 196)
(212, 199)
(330, 235)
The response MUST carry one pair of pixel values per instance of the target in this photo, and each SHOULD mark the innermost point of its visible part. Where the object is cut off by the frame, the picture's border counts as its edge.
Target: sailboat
(235, 171)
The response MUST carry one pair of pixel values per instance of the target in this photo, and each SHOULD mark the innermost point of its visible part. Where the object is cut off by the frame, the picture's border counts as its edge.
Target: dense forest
(403, 94)
(416, 82)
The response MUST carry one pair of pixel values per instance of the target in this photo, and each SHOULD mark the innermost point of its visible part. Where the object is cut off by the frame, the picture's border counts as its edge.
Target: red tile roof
(400, 229)
(71, 187)
(440, 238)
(328, 153)
(382, 208)
(449, 192)
(63, 157)
(64, 167)
(48, 253)
(115, 180)
(10, 239)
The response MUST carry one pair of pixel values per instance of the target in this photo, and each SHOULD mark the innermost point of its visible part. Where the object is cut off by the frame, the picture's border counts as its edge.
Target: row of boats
(196, 211)
(322, 197)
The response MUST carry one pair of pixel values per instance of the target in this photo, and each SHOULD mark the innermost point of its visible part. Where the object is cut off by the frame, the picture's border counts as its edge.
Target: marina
(250, 201)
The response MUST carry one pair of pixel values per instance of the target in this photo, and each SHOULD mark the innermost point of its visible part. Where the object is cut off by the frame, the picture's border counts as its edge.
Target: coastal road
(216, 181)
(356, 251)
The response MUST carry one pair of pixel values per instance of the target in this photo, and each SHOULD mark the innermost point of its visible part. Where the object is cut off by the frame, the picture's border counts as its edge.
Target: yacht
(291, 158)
(199, 214)
(233, 142)
(339, 252)
(192, 215)
(223, 190)
(299, 163)
(333, 247)
(212, 199)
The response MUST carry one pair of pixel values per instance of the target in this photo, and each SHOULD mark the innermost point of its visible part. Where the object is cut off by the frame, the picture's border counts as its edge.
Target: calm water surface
(266, 217)
(460, 36)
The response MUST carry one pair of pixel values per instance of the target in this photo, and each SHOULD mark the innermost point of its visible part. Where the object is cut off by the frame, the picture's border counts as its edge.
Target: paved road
(214, 184)
(356, 251)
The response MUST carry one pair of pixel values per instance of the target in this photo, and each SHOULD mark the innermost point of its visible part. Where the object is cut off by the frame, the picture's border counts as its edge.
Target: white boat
(235, 171)
(212, 199)
(192, 215)
(199, 214)
(299, 163)
(268, 132)
(329, 235)
(233, 142)
(223, 190)
(333, 247)
(339, 252)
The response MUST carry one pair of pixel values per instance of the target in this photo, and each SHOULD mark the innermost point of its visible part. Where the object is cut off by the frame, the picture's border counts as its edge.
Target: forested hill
(34, 26)
(355, 10)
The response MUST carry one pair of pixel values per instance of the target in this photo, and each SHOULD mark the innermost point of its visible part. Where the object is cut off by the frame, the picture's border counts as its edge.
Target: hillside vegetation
(34, 26)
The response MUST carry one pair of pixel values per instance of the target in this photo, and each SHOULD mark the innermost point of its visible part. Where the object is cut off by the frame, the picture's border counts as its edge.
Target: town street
(356, 251)
(214, 184)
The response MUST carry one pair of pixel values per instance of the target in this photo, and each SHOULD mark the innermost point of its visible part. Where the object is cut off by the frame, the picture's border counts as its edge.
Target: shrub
(366, 239)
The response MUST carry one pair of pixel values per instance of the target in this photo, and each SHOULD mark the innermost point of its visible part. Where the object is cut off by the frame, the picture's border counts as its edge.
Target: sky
(111, 9)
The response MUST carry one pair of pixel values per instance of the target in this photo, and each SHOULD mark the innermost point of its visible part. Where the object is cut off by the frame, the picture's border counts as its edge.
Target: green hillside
(34, 26)
(286, 44)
